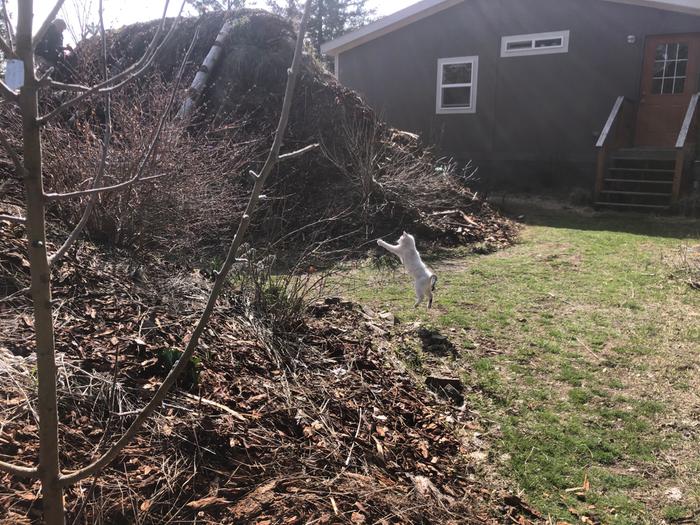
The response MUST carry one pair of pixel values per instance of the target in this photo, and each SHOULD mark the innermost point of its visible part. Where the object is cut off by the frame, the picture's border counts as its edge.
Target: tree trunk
(52, 496)
(202, 76)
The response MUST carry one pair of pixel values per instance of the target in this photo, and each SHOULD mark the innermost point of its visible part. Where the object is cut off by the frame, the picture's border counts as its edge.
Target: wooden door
(670, 77)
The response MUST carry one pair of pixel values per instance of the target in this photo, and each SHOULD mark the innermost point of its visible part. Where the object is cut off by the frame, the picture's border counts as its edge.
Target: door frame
(644, 78)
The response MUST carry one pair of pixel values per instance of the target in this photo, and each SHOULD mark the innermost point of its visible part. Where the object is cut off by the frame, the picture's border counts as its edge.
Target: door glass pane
(661, 52)
(457, 74)
(679, 86)
(659, 68)
(670, 69)
(683, 51)
(656, 85)
(456, 97)
(672, 52)
(681, 67)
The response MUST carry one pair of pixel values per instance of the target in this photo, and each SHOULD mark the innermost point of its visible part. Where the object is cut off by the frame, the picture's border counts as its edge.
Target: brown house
(543, 93)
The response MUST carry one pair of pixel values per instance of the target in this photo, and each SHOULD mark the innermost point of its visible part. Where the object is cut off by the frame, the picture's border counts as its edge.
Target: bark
(202, 76)
(52, 495)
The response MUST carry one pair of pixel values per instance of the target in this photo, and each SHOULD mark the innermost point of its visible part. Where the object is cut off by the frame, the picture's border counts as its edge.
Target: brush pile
(365, 179)
(308, 422)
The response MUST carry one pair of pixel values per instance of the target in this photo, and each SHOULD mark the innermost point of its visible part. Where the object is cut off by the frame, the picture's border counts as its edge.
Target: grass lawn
(579, 347)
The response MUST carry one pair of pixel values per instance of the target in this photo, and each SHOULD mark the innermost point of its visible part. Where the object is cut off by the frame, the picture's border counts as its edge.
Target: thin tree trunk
(52, 496)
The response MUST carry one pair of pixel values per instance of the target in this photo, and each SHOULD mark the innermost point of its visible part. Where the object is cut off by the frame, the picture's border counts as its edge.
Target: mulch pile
(314, 426)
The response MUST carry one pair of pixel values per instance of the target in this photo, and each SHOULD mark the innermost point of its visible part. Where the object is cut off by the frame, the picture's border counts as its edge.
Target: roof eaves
(681, 6)
(426, 8)
(386, 25)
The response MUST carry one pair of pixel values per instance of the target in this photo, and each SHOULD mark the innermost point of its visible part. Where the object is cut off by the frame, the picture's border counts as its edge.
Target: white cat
(424, 279)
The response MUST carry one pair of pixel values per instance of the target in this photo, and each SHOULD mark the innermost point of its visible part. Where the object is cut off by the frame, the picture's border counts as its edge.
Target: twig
(8, 25)
(299, 152)
(357, 433)
(12, 218)
(219, 283)
(584, 345)
(6, 48)
(131, 73)
(214, 404)
(70, 240)
(149, 151)
(68, 87)
(6, 92)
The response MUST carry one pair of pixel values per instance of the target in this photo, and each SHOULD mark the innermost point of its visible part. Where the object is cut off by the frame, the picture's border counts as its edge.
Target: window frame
(533, 38)
(676, 60)
(474, 61)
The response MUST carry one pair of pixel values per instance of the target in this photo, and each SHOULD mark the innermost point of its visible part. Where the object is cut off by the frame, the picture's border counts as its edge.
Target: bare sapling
(28, 168)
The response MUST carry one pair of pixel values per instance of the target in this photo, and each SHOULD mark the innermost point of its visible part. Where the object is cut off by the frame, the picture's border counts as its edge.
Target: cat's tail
(433, 281)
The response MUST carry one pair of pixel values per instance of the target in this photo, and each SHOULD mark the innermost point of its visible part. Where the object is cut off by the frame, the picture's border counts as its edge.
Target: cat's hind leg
(419, 293)
(423, 286)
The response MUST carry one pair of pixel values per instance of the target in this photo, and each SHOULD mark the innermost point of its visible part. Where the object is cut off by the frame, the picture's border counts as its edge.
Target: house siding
(537, 116)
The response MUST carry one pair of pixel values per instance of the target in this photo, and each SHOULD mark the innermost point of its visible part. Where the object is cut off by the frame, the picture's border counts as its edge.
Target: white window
(456, 84)
(535, 44)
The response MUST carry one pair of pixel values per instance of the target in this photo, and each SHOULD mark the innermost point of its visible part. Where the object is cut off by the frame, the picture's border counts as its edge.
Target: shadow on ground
(555, 214)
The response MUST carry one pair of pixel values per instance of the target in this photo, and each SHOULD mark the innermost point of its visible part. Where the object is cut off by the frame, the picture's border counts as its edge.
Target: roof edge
(386, 25)
(679, 6)
(426, 8)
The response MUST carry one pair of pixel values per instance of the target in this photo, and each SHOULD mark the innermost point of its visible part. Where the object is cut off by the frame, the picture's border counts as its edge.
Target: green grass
(594, 330)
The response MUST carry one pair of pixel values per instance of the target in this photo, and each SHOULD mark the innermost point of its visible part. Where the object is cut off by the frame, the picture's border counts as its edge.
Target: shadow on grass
(541, 212)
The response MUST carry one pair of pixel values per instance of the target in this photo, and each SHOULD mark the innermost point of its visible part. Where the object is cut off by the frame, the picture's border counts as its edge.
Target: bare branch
(6, 92)
(129, 74)
(299, 152)
(221, 278)
(68, 87)
(70, 240)
(15, 470)
(16, 160)
(12, 218)
(149, 151)
(47, 23)
(8, 24)
(6, 48)
(4, 188)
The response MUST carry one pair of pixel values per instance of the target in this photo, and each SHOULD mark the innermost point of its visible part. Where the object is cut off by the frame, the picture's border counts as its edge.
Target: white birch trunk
(202, 76)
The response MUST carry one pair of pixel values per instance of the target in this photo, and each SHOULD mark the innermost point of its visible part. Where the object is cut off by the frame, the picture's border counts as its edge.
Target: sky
(124, 12)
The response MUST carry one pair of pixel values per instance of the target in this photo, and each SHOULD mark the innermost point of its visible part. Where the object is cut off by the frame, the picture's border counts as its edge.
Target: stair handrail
(608, 136)
(690, 115)
(683, 147)
(610, 123)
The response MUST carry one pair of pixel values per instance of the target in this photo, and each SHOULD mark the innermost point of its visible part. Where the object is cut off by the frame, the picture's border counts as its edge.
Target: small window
(535, 44)
(670, 69)
(456, 85)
